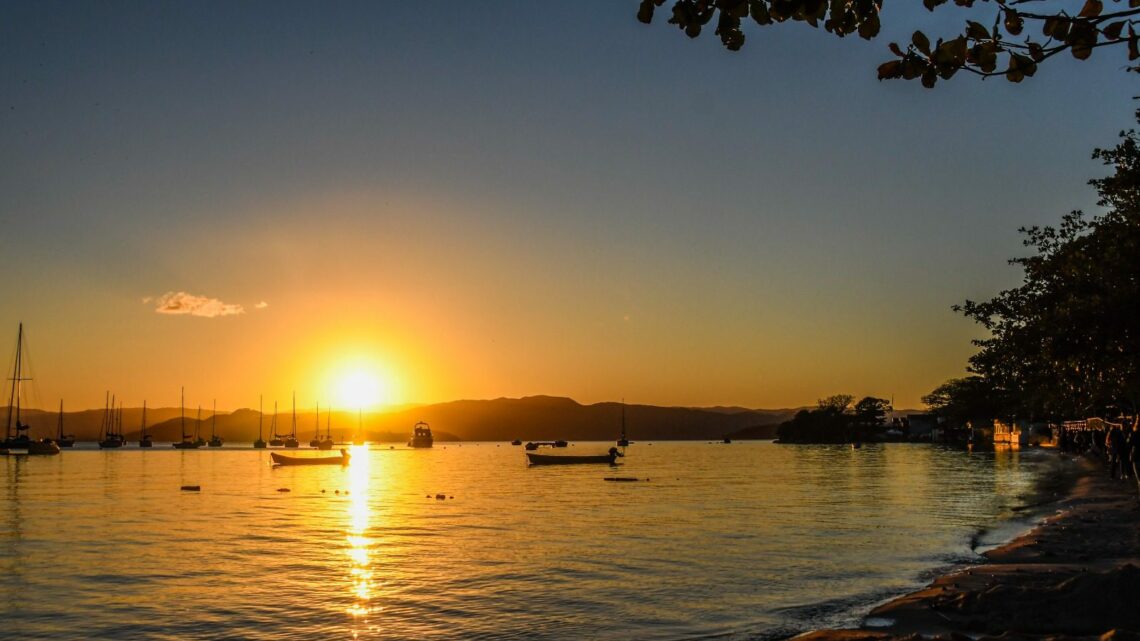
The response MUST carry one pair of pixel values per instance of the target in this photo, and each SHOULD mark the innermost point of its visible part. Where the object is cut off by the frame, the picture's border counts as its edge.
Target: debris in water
(191, 488)
(283, 489)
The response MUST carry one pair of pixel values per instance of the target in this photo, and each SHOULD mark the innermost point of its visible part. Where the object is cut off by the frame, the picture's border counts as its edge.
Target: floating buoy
(337, 492)
(283, 489)
(440, 497)
(191, 488)
(451, 497)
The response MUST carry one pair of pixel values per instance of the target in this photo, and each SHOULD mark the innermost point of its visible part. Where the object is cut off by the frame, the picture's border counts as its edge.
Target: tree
(971, 398)
(836, 403)
(1066, 342)
(984, 51)
(870, 412)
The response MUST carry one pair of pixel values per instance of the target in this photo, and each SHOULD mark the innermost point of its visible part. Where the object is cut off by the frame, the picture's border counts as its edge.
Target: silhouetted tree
(971, 398)
(869, 414)
(1067, 340)
(836, 403)
(1007, 47)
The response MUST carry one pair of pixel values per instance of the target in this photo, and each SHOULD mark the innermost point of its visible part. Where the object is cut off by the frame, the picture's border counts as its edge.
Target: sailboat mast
(294, 432)
(14, 396)
(260, 415)
(318, 434)
(214, 419)
(61, 419)
(182, 412)
(144, 421)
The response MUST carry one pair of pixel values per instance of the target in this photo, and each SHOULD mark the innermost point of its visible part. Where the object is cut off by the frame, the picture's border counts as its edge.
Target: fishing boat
(556, 459)
(61, 439)
(516, 442)
(18, 439)
(421, 435)
(215, 440)
(260, 442)
(111, 432)
(327, 442)
(144, 438)
(316, 440)
(282, 459)
(276, 441)
(185, 443)
(292, 442)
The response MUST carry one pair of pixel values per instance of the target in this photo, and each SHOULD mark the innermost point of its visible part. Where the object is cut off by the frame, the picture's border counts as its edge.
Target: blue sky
(510, 198)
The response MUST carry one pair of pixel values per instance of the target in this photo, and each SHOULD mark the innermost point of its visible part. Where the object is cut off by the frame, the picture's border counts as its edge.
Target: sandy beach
(1074, 576)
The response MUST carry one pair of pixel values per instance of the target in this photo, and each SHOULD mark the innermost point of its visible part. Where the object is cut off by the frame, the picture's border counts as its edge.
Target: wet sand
(1074, 576)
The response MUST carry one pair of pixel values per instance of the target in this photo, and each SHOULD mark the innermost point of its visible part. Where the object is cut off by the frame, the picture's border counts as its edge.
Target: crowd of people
(1118, 443)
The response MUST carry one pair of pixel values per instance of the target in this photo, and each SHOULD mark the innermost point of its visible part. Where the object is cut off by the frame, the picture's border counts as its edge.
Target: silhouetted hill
(501, 419)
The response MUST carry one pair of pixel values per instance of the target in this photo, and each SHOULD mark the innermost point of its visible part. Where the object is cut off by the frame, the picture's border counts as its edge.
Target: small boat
(260, 442)
(316, 440)
(144, 438)
(111, 430)
(622, 440)
(215, 440)
(292, 441)
(554, 459)
(516, 442)
(276, 441)
(63, 440)
(421, 435)
(327, 442)
(185, 443)
(282, 459)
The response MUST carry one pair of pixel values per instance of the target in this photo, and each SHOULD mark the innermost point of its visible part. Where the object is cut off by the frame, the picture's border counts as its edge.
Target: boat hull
(281, 459)
(554, 459)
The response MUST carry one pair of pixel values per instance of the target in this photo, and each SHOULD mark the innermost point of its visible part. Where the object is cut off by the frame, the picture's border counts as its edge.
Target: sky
(385, 203)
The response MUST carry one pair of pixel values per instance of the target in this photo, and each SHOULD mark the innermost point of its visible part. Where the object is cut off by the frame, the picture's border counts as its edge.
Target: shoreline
(1075, 575)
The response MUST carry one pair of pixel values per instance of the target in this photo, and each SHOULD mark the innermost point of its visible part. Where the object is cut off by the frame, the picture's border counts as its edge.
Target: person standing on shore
(1134, 455)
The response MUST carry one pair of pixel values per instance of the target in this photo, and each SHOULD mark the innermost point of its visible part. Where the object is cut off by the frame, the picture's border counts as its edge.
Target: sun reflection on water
(359, 543)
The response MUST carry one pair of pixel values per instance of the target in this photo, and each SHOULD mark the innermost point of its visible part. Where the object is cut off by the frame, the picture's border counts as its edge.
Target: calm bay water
(742, 541)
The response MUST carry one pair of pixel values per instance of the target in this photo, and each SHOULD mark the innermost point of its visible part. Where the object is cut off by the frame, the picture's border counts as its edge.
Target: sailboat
(317, 436)
(144, 438)
(623, 441)
(327, 442)
(198, 429)
(215, 440)
(277, 440)
(112, 434)
(260, 442)
(20, 440)
(185, 443)
(63, 440)
(292, 440)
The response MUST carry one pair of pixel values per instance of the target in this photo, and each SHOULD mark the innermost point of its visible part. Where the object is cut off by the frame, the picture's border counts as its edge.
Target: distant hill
(501, 419)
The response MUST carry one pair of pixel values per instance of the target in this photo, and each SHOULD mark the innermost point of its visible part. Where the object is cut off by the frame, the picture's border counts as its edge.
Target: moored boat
(260, 442)
(608, 458)
(421, 436)
(215, 440)
(185, 443)
(144, 438)
(20, 441)
(292, 441)
(282, 459)
(61, 439)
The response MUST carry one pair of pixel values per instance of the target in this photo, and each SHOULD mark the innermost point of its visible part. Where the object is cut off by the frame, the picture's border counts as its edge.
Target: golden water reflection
(359, 543)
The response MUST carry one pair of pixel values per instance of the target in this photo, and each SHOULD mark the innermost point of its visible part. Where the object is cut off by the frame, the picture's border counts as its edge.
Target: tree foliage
(1066, 342)
(971, 398)
(834, 420)
(1013, 45)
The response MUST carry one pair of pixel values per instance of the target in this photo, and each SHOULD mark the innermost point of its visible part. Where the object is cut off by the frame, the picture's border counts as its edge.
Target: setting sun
(360, 388)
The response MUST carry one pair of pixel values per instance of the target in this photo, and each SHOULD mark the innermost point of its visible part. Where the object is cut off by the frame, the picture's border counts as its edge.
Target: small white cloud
(147, 299)
(261, 305)
(184, 303)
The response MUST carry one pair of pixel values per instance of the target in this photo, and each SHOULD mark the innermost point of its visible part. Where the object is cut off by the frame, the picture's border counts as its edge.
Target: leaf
(645, 11)
(1013, 22)
(976, 30)
(1112, 31)
(1133, 46)
(1091, 9)
(921, 42)
(890, 70)
(894, 47)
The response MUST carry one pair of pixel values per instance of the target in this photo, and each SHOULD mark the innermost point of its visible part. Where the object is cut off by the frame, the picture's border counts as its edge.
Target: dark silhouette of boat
(516, 442)
(61, 439)
(185, 443)
(421, 435)
(316, 440)
(111, 430)
(276, 441)
(144, 438)
(260, 442)
(20, 439)
(608, 458)
(215, 440)
(292, 442)
(282, 459)
(327, 442)
(622, 440)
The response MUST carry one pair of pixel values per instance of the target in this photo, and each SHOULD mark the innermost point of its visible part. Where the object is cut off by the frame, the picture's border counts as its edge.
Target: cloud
(261, 305)
(147, 299)
(184, 303)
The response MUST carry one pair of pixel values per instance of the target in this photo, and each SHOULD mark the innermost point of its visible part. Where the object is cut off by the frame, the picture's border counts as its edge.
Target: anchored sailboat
(277, 440)
(292, 440)
(111, 433)
(327, 442)
(144, 438)
(215, 440)
(260, 442)
(20, 439)
(316, 441)
(185, 443)
(63, 440)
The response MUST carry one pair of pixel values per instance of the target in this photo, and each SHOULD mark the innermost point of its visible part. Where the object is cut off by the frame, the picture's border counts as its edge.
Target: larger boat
(186, 443)
(18, 439)
(421, 435)
(556, 459)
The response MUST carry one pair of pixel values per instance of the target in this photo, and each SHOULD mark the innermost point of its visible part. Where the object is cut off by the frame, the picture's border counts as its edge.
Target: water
(743, 541)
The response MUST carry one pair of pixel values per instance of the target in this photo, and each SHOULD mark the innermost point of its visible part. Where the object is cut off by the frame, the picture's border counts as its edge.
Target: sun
(361, 389)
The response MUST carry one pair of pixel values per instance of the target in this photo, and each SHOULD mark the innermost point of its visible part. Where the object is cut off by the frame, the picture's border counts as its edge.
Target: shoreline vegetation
(1075, 575)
